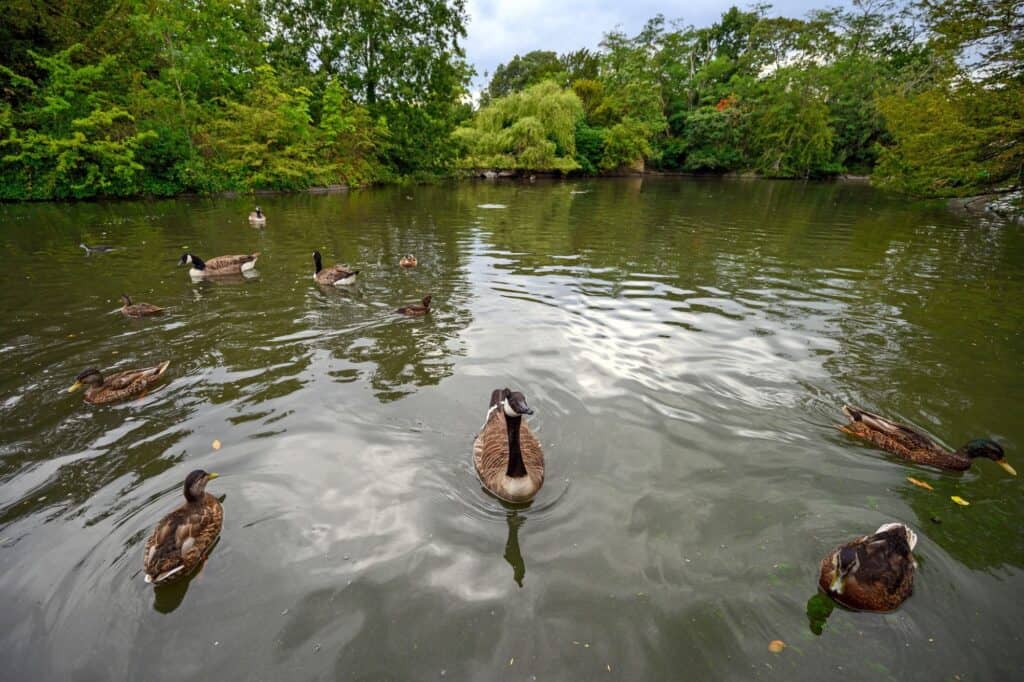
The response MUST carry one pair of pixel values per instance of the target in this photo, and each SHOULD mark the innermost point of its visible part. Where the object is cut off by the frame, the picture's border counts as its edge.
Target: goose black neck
(516, 468)
(198, 263)
(317, 263)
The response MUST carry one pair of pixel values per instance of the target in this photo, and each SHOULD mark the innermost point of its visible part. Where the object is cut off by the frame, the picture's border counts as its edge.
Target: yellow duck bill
(1006, 465)
(75, 386)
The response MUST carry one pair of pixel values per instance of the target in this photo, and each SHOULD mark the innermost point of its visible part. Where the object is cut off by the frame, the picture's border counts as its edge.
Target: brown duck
(407, 261)
(872, 572)
(336, 275)
(130, 309)
(183, 538)
(120, 386)
(507, 456)
(416, 310)
(911, 444)
(219, 266)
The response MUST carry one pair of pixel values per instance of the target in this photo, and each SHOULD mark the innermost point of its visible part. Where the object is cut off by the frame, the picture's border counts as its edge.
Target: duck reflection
(819, 608)
(512, 554)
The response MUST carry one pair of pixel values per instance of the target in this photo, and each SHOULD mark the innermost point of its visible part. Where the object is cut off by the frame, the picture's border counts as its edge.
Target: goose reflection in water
(512, 554)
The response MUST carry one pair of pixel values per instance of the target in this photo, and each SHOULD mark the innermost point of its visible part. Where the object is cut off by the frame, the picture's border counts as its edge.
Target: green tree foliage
(522, 72)
(534, 129)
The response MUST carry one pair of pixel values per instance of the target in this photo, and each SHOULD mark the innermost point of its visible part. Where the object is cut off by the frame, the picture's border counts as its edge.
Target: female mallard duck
(183, 538)
(221, 265)
(120, 386)
(911, 444)
(257, 217)
(872, 572)
(507, 455)
(336, 275)
(414, 310)
(408, 261)
(130, 309)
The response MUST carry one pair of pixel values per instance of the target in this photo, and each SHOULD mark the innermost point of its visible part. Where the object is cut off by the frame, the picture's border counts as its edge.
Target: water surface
(686, 345)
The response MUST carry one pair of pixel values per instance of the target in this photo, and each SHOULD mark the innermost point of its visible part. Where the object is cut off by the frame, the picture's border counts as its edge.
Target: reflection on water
(687, 344)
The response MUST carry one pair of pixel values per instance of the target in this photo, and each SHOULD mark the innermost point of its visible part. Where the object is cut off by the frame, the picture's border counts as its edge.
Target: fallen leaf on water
(776, 645)
(920, 484)
(609, 668)
(216, 444)
(512, 660)
(959, 500)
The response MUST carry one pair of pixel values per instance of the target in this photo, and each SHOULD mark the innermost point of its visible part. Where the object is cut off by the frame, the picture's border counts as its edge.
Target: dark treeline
(104, 98)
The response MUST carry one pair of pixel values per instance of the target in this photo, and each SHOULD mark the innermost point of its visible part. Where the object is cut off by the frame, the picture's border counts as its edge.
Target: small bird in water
(414, 310)
(336, 275)
(507, 456)
(130, 309)
(219, 266)
(98, 248)
(183, 538)
(407, 261)
(257, 217)
(120, 386)
(872, 572)
(915, 446)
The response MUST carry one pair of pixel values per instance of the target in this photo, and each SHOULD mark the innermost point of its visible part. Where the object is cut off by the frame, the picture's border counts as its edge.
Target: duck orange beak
(1006, 465)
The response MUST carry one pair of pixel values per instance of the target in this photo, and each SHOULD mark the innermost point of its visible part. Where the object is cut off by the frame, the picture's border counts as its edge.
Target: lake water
(686, 345)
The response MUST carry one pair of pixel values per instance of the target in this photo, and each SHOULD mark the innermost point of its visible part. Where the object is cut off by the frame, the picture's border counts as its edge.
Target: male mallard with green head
(911, 444)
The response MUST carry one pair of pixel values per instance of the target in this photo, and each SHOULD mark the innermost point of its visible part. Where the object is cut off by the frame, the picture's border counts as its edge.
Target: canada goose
(414, 310)
(257, 217)
(130, 309)
(336, 275)
(221, 265)
(872, 572)
(911, 444)
(99, 248)
(507, 456)
(118, 386)
(183, 538)
(407, 261)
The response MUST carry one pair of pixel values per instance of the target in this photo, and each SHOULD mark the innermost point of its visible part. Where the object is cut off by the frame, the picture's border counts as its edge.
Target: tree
(521, 72)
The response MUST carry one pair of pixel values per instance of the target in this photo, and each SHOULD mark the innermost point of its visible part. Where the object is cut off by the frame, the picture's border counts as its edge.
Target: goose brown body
(121, 386)
(221, 265)
(183, 538)
(491, 454)
(414, 310)
(333, 276)
(130, 309)
(872, 572)
(911, 444)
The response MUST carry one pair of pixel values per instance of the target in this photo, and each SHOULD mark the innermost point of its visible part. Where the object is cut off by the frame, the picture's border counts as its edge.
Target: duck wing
(182, 538)
(228, 262)
(907, 437)
(884, 574)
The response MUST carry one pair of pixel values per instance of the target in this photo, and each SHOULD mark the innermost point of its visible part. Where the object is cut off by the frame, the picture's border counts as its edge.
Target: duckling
(507, 456)
(407, 261)
(99, 248)
(221, 265)
(257, 217)
(336, 275)
(911, 444)
(872, 572)
(183, 538)
(120, 386)
(414, 310)
(130, 309)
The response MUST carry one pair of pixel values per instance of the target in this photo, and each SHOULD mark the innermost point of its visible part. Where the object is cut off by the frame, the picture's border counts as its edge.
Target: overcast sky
(499, 29)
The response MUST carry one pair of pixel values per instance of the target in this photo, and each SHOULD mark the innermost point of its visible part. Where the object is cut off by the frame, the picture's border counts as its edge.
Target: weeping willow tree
(530, 130)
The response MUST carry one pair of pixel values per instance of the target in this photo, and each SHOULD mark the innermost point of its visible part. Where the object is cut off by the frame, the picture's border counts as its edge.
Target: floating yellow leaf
(512, 660)
(920, 484)
(216, 444)
(961, 501)
(776, 645)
